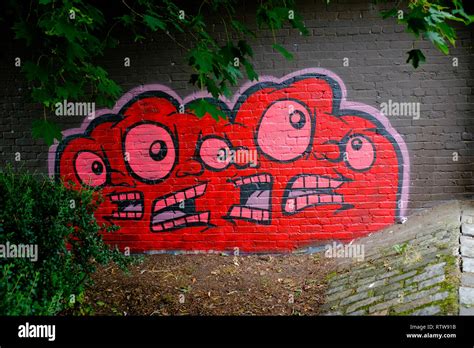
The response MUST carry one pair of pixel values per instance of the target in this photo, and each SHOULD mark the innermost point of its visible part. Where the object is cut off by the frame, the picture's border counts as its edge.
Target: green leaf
(415, 21)
(468, 19)
(138, 38)
(297, 23)
(416, 25)
(75, 52)
(416, 57)
(224, 90)
(35, 72)
(69, 90)
(274, 19)
(23, 31)
(46, 130)
(251, 74)
(240, 27)
(283, 51)
(61, 28)
(447, 32)
(154, 23)
(201, 58)
(43, 95)
(127, 20)
(212, 88)
(202, 107)
(231, 73)
(389, 13)
(438, 41)
(197, 22)
(440, 16)
(245, 48)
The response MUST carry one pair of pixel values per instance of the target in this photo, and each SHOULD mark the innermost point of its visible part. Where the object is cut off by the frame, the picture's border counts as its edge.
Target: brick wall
(376, 73)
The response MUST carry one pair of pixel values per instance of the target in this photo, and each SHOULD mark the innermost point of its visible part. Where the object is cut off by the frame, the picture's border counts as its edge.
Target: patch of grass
(450, 305)
(400, 248)
(331, 275)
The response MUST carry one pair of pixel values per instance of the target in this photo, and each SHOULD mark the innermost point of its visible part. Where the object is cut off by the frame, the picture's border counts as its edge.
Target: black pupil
(158, 150)
(356, 144)
(97, 168)
(297, 119)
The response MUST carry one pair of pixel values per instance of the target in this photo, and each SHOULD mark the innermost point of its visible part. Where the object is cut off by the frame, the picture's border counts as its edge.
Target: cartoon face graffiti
(290, 167)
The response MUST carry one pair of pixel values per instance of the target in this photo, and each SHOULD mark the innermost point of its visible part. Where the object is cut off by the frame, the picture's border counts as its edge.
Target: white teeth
(128, 196)
(179, 197)
(316, 182)
(301, 202)
(131, 196)
(262, 178)
(248, 213)
(127, 215)
(202, 218)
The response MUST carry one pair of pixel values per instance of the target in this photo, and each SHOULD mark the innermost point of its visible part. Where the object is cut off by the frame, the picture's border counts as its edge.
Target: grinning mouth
(178, 210)
(255, 199)
(130, 205)
(304, 191)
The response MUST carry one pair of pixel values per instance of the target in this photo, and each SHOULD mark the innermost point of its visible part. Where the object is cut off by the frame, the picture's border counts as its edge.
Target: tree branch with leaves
(66, 38)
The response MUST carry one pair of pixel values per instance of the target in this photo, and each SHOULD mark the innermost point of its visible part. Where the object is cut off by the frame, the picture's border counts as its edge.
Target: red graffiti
(288, 168)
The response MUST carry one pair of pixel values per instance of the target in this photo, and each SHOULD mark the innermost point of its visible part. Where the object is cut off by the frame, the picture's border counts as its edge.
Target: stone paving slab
(410, 269)
(466, 290)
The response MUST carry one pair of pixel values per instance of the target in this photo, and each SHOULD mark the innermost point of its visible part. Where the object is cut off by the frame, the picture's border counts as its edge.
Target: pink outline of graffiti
(230, 103)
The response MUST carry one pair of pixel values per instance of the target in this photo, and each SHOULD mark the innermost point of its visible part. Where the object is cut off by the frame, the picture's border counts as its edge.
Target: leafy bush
(60, 221)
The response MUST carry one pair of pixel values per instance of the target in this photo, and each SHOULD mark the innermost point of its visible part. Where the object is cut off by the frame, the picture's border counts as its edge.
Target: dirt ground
(212, 284)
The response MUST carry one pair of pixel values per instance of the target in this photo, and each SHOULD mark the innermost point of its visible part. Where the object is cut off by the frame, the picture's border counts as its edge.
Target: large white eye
(359, 152)
(285, 131)
(214, 153)
(90, 168)
(150, 151)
